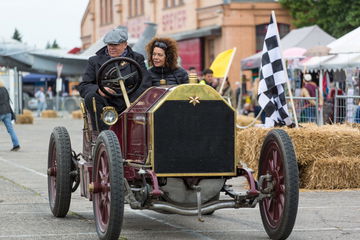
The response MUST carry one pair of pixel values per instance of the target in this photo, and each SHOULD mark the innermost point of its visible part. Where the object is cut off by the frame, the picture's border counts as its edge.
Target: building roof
(201, 32)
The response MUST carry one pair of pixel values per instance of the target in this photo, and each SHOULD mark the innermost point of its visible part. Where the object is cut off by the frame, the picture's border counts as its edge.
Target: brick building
(203, 28)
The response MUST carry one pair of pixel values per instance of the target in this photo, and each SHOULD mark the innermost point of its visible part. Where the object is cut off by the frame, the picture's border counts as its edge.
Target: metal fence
(306, 109)
(341, 109)
(346, 109)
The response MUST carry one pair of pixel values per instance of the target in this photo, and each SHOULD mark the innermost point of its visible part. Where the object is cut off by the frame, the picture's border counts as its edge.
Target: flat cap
(116, 36)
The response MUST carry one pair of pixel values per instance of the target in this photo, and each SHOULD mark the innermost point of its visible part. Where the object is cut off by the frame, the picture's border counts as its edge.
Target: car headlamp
(109, 115)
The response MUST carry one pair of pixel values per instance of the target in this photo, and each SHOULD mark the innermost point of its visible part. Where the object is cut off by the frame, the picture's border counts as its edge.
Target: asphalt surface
(25, 212)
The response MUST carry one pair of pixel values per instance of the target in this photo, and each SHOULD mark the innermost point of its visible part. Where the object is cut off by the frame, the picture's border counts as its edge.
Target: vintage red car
(172, 151)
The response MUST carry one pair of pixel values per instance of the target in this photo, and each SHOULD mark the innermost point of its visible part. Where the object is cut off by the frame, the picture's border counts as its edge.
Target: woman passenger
(162, 58)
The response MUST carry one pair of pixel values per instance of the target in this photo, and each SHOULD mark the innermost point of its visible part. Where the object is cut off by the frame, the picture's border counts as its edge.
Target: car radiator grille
(195, 139)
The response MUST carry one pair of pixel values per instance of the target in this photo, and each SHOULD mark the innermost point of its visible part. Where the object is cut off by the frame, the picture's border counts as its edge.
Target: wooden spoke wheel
(108, 181)
(277, 158)
(59, 168)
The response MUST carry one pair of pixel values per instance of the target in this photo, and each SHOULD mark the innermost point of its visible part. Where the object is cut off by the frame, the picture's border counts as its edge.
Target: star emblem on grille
(194, 100)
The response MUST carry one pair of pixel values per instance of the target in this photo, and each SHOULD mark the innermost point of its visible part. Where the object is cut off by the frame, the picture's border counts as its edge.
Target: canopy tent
(344, 53)
(305, 37)
(349, 43)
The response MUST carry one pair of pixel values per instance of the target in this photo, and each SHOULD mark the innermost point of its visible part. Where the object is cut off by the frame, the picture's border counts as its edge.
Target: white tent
(305, 37)
(344, 53)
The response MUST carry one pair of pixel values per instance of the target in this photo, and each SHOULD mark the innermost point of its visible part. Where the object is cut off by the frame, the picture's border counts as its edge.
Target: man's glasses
(160, 45)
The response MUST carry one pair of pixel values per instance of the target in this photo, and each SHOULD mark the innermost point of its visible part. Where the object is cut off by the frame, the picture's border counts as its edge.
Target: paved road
(25, 214)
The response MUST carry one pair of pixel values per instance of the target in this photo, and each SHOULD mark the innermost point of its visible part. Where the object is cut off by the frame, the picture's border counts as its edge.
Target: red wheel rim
(103, 198)
(53, 165)
(273, 164)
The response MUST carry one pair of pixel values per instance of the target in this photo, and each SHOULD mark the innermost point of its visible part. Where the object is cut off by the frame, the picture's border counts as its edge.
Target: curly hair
(171, 52)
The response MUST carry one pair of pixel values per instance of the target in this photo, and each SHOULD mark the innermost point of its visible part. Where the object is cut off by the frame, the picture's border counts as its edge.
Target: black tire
(108, 171)
(59, 168)
(278, 212)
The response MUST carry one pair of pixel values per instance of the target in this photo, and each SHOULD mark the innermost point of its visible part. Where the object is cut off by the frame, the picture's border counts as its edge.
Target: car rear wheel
(277, 158)
(59, 168)
(108, 181)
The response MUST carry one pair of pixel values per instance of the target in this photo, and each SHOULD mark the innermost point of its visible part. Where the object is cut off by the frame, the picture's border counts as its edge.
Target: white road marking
(22, 167)
(34, 236)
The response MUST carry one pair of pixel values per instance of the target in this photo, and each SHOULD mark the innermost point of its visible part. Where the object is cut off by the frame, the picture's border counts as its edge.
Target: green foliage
(337, 17)
(54, 45)
(17, 35)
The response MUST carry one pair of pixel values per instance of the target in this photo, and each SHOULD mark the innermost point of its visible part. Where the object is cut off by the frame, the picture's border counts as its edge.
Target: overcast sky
(40, 21)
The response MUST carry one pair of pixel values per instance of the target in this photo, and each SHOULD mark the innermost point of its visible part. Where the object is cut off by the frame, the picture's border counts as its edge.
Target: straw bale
(24, 119)
(311, 142)
(248, 145)
(333, 173)
(27, 112)
(76, 114)
(49, 114)
(244, 120)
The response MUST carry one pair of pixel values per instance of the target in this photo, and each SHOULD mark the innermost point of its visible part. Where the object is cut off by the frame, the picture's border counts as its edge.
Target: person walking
(6, 115)
(162, 58)
(40, 96)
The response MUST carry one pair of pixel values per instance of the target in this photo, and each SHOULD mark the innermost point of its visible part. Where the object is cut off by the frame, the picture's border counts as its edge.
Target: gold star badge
(194, 100)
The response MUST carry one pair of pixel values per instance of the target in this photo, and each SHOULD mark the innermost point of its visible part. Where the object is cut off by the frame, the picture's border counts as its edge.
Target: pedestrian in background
(40, 96)
(7, 115)
(309, 90)
(162, 58)
(208, 78)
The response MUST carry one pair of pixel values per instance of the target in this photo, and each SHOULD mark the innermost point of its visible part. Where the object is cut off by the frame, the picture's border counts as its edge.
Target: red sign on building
(190, 53)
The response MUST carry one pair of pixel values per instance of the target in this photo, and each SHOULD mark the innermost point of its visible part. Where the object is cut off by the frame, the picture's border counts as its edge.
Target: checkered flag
(271, 94)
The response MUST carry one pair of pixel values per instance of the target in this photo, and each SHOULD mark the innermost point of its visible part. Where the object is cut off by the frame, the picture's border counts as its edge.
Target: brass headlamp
(109, 115)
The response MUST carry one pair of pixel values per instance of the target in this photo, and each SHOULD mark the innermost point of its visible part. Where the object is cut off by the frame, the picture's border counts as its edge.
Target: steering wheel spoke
(129, 76)
(124, 69)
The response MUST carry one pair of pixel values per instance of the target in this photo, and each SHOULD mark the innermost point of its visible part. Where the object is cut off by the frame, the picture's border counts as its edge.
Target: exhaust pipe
(163, 206)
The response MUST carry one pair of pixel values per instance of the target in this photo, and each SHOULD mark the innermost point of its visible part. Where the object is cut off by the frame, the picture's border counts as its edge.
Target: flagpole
(227, 71)
(285, 70)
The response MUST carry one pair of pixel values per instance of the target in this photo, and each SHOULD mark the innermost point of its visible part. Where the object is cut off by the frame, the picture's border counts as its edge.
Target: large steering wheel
(109, 75)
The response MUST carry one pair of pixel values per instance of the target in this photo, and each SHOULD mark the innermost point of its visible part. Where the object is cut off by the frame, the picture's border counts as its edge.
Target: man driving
(116, 46)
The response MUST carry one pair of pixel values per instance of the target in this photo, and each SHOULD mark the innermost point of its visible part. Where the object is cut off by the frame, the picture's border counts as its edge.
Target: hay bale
(24, 119)
(27, 112)
(243, 120)
(49, 114)
(333, 173)
(77, 114)
(248, 145)
(311, 142)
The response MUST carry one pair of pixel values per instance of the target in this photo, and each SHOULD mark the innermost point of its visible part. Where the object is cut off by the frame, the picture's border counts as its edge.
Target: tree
(337, 17)
(55, 44)
(17, 35)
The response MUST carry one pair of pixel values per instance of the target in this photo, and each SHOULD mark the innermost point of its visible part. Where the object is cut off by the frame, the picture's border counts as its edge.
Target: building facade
(202, 28)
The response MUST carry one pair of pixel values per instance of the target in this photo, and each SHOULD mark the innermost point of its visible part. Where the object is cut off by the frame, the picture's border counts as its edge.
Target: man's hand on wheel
(109, 90)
